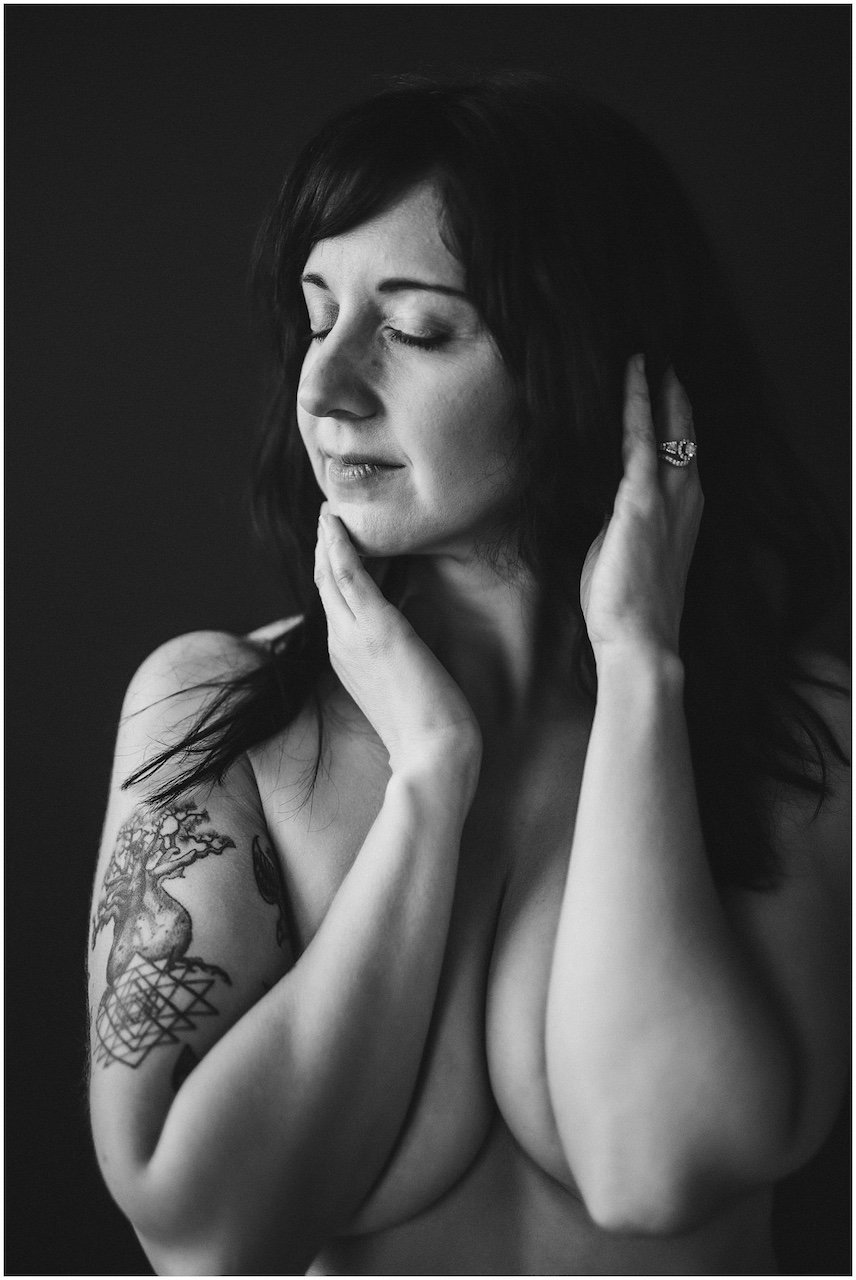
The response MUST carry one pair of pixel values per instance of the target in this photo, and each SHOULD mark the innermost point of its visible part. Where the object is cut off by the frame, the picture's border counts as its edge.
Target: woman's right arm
(244, 1106)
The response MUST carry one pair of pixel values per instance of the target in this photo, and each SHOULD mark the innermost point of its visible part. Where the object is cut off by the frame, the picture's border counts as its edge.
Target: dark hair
(579, 249)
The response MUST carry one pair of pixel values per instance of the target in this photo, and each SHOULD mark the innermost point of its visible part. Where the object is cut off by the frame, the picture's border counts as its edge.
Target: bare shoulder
(177, 677)
(190, 922)
(182, 663)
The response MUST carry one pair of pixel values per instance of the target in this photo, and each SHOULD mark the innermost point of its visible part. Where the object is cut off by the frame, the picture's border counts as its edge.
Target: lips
(360, 460)
(350, 467)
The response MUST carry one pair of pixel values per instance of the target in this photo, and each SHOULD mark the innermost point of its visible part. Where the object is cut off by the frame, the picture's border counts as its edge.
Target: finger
(353, 582)
(674, 412)
(639, 444)
(335, 606)
(675, 422)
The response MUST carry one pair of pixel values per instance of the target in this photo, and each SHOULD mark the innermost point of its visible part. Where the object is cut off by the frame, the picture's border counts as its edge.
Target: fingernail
(639, 363)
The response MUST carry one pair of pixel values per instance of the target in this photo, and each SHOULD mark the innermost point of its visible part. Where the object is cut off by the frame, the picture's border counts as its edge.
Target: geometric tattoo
(155, 990)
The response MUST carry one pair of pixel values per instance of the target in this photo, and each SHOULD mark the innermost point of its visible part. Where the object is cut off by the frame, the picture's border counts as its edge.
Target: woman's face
(404, 405)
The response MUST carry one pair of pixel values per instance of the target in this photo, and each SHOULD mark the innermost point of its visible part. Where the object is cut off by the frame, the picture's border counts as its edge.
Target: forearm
(666, 1065)
(279, 1133)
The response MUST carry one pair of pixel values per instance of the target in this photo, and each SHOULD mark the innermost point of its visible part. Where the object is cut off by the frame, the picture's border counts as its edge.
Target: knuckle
(382, 634)
(637, 499)
(379, 642)
(376, 645)
(344, 578)
(649, 507)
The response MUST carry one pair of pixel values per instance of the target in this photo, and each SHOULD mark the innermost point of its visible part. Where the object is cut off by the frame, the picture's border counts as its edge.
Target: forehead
(404, 239)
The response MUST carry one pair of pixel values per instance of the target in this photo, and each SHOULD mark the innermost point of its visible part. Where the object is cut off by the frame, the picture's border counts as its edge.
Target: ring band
(678, 453)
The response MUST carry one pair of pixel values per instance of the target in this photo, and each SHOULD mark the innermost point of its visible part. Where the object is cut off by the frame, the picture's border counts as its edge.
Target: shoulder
(183, 668)
(183, 684)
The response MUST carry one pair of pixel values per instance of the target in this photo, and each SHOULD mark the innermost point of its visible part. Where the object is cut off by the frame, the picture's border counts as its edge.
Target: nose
(335, 383)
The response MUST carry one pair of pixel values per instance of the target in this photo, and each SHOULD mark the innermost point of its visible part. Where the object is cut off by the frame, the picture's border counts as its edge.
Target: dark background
(143, 143)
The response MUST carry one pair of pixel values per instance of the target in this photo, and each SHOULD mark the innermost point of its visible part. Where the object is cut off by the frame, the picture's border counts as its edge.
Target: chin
(378, 536)
(377, 544)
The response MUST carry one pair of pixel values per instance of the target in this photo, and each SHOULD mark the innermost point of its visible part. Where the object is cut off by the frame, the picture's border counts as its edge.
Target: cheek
(474, 436)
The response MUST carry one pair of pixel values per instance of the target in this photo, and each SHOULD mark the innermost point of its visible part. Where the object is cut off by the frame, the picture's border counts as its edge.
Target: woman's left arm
(695, 1040)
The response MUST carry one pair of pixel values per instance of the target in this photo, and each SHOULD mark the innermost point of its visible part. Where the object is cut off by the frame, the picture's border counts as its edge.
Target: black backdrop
(142, 145)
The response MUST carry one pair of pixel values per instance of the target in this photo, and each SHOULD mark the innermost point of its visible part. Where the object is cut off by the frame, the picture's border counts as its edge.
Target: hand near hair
(634, 577)
(406, 694)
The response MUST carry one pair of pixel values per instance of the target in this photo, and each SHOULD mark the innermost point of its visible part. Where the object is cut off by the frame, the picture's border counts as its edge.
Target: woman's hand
(407, 695)
(634, 576)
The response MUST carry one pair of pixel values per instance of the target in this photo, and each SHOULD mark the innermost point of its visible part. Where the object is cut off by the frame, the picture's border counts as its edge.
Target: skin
(524, 1033)
(632, 593)
(441, 414)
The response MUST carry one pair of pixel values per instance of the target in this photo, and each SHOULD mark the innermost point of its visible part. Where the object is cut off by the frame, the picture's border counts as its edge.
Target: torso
(477, 1183)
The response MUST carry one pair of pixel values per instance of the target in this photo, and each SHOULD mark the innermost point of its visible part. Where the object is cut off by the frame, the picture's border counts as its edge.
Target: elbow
(183, 1235)
(646, 1189)
(191, 1225)
(644, 1174)
(224, 1254)
(645, 1210)
(669, 1182)
(658, 1194)
(171, 1248)
(169, 1260)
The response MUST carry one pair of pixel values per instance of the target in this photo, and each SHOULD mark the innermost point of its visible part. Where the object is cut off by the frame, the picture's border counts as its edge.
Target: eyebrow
(396, 284)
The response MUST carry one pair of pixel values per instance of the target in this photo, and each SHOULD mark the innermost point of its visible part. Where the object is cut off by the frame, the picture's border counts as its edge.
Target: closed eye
(430, 342)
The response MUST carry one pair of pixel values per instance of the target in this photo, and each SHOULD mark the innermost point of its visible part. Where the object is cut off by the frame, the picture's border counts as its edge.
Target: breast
(452, 1108)
(485, 1046)
(519, 980)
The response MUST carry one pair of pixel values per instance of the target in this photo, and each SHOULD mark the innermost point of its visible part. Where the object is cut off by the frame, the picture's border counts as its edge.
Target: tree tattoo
(155, 990)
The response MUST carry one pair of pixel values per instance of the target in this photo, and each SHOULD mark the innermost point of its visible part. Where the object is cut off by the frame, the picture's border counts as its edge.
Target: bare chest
(484, 1056)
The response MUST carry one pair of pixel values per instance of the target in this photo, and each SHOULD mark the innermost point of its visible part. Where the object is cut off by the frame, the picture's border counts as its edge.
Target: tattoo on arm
(155, 990)
(271, 886)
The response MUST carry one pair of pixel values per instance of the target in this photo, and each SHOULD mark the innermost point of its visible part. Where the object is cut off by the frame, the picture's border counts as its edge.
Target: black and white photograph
(427, 650)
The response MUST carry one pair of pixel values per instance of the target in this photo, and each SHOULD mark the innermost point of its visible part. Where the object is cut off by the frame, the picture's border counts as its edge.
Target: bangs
(362, 164)
(358, 171)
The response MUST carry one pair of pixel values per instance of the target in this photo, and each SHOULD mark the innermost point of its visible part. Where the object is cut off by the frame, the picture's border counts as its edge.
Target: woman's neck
(491, 632)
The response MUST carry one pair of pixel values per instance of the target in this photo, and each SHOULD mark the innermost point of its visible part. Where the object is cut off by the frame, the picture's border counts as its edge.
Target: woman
(488, 916)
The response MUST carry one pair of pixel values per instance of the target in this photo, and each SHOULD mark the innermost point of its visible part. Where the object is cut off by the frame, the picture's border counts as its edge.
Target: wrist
(448, 769)
(642, 663)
